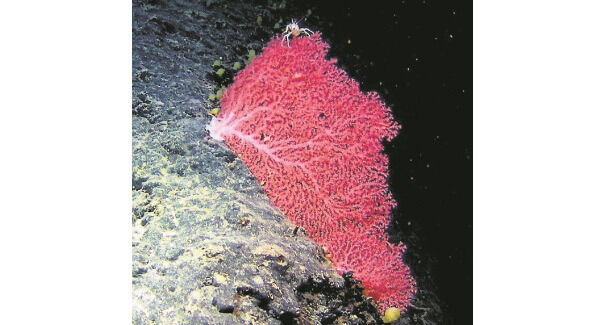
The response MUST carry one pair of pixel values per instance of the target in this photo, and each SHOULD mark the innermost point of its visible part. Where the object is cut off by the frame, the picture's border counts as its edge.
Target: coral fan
(305, 129)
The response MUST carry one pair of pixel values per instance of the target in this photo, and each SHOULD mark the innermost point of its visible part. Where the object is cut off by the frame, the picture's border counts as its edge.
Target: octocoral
(308, 133)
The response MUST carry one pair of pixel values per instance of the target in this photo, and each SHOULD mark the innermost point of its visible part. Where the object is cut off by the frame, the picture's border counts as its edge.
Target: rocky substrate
(208, 246)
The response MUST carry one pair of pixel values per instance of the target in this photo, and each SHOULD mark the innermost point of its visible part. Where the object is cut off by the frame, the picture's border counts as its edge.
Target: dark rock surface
(208, 246)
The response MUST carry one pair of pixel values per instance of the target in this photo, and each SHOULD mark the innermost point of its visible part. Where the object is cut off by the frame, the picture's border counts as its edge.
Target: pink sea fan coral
(306, 131)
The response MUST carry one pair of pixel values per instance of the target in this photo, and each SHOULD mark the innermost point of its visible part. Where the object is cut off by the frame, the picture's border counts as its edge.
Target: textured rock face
(208, 246)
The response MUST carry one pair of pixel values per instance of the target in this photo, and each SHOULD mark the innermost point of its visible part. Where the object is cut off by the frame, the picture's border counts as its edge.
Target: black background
(418, 56)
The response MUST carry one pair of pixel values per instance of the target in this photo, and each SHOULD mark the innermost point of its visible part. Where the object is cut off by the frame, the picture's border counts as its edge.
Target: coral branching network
(314, 140)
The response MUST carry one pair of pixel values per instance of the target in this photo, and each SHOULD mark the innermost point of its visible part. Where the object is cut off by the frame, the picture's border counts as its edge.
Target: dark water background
(418, 56)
